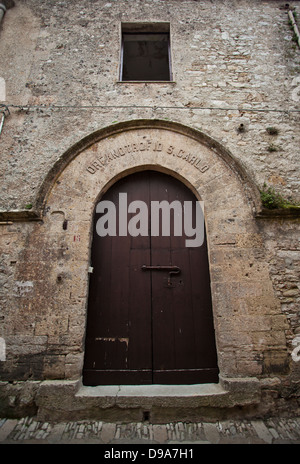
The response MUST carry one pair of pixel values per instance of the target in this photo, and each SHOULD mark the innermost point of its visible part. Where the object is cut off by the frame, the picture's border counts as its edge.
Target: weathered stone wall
(281, 238)
(234, 63)
(236, 57)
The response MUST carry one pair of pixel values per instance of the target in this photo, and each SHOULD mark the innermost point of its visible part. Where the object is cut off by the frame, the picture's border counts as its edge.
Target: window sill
(146, 82)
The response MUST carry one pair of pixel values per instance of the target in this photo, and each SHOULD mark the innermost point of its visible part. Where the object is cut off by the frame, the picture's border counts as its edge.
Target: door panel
(149, 326)
(183, 335)
(118, 335)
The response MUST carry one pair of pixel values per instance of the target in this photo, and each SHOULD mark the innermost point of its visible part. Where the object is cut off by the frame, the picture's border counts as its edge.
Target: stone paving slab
(270, 431)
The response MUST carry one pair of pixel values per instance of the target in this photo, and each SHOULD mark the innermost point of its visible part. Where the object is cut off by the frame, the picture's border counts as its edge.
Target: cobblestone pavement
(270, 431)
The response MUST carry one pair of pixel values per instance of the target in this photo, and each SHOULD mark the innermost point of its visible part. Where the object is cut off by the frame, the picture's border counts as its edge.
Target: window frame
(145, 29)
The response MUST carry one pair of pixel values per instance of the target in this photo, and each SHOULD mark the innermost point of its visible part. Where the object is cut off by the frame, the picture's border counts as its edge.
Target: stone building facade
(226, 124)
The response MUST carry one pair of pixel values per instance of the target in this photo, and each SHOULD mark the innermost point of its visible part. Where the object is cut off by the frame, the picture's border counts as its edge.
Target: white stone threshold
(209, 389)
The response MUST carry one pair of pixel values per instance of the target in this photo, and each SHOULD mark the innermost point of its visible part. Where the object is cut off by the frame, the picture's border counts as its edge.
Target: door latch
(172, 270)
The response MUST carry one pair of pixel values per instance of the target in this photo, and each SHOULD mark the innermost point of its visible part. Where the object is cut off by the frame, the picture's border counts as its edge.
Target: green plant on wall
(271, 148)
(273, 200)
(272, 130)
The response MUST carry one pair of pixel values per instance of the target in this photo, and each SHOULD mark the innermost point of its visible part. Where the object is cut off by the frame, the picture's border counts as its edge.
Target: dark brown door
(149, 311)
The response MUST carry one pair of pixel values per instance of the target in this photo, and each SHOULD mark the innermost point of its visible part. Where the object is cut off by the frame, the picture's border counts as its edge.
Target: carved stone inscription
(104, 159)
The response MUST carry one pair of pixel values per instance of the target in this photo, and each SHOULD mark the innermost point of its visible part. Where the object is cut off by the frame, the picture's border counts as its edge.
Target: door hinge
(91, 270)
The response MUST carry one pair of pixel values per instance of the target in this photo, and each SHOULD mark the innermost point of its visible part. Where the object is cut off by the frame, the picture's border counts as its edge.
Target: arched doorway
(149, 308)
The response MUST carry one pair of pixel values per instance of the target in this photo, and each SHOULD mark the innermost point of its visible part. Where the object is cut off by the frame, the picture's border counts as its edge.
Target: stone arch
(242, 293)
(250, 189)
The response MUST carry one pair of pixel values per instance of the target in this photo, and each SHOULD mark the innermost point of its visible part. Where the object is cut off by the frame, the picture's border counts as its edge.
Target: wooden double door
(149, 310)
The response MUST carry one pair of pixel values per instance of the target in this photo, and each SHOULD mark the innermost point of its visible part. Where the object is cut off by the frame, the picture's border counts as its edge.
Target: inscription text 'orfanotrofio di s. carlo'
(104, 159)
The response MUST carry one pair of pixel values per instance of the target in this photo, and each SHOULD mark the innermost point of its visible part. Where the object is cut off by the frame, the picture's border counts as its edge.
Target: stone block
(275, 362)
